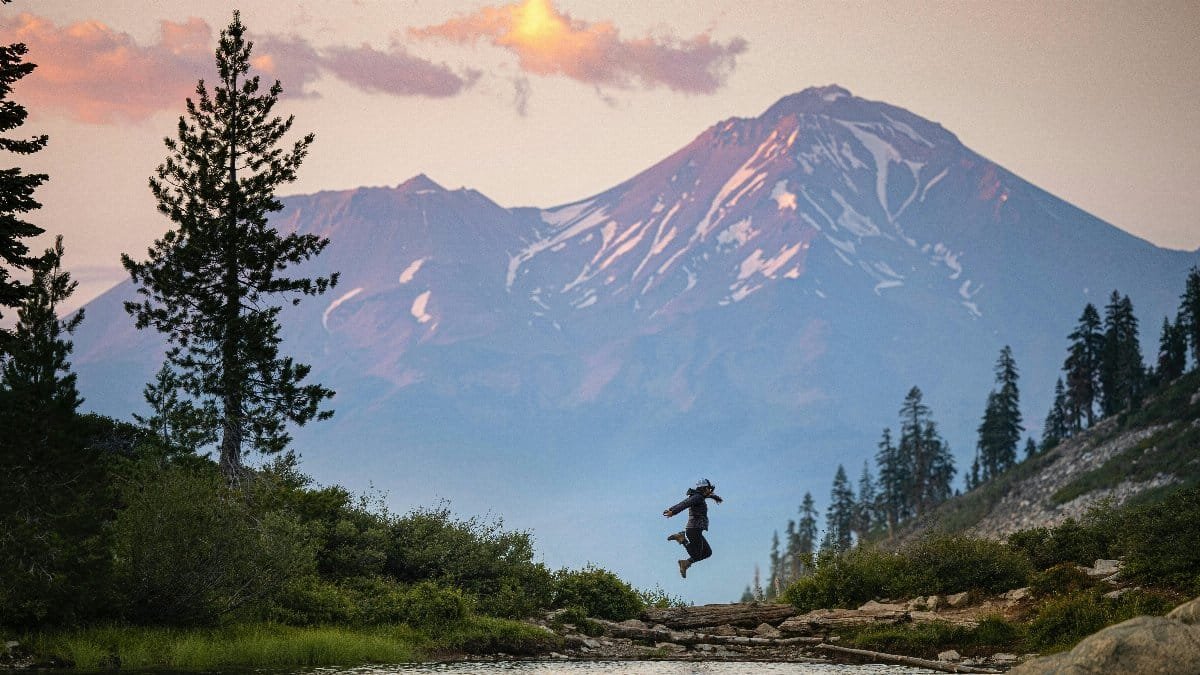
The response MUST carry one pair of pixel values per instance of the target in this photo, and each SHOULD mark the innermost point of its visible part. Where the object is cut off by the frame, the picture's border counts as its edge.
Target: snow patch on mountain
(411, 271)
(419, 306)
(334, 305)
(785, 199)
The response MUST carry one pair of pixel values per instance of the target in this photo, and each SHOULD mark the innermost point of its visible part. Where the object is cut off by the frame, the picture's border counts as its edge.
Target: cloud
(549, 42)
(395, 72)
(99, 75)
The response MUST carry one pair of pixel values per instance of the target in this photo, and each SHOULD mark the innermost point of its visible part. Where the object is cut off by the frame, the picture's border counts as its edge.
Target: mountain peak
(420, 183)
(811, 100)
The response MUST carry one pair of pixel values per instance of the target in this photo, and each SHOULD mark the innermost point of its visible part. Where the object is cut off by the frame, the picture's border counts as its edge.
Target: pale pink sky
(541, 102)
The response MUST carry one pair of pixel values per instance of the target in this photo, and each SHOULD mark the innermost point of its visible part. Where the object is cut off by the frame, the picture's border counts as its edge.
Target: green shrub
(927, 639)
(1062, 579)
(953, 563)
(493, 565)
(1162, 542)
(847, 580)
(190, 550)
(1065, 620)
(369, 601)
(658, 598)
(1071, 541)
(598, 592)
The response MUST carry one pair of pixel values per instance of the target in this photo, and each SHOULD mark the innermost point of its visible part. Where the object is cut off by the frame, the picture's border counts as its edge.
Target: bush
(952, 563)
(370, 601)
(598, 592)
(658, 598)
(1071, 541)
(846, 580)
(1063, 621)
(1062, 579)
(493, 565)
(189, 550)
(1162, 542)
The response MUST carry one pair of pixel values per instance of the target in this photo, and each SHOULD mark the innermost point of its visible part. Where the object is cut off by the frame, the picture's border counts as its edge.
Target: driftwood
(694, 638)
(748, 614)
(942, 666)
(827, 620)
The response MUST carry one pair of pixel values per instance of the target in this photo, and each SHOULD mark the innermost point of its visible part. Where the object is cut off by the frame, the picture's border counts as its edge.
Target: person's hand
(667, 512)
(717, 499)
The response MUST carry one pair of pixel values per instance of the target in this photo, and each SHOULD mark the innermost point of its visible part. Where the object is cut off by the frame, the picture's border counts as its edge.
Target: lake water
(619, 667)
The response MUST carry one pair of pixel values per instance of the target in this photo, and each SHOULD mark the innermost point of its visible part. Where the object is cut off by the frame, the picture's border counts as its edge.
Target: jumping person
(692, 537)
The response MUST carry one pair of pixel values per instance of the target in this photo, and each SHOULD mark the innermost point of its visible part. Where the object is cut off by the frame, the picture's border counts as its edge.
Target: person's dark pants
(697, 546)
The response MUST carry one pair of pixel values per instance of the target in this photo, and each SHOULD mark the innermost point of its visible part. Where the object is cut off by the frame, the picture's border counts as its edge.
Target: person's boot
(680, 537)
(683, 567)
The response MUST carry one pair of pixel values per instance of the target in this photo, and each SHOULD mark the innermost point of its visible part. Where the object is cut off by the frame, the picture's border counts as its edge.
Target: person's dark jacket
(697, 509)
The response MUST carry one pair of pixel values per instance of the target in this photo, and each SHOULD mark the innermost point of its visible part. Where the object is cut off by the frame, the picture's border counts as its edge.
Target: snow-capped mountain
(752, 308)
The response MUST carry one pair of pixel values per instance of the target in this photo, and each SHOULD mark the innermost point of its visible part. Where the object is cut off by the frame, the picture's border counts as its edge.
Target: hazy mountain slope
(753, 308)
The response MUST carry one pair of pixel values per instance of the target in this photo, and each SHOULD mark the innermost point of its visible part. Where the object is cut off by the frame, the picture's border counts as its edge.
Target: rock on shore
(1141, 645)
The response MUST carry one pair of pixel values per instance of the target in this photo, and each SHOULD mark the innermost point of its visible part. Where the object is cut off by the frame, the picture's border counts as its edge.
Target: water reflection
(620, 667)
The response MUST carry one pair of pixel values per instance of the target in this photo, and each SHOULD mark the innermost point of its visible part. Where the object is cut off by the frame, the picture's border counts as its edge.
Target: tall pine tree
(209, 283)
(1189, 311)
(16, 188)
(1122, 372)
(1056, 427)
(52, 515)
(839, 517)
(892, 488)
(1172, 350)
(1001, 429)
(866, 504)
(806, 537)
(1082, 369)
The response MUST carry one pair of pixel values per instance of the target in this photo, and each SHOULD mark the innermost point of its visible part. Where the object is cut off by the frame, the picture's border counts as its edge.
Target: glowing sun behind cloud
(549, 42)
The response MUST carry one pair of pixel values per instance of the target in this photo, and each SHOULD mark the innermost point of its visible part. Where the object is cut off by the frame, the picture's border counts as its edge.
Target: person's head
(705, 486)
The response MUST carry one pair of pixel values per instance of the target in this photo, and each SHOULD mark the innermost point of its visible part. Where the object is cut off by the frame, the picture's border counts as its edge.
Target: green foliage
(846, 580)
(935, 565)
(494, 565)
(211, 283)
(239, 646)
(190, 550)
(1070, 542)
(16, 188)
(1061, 579)
(1063, 621)
(55, 497)
(927, 639)
(659, 599)
(598, 592)
(489, 635)
(953, 563)
(1162, 542)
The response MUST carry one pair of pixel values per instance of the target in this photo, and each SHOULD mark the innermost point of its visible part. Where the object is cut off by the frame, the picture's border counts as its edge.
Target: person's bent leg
(697, 547)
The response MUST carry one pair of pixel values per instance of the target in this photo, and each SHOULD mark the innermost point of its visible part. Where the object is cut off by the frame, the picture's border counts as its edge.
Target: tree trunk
(942, 666)
(748, 614)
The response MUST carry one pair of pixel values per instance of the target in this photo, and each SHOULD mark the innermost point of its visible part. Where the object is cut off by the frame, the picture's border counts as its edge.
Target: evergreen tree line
(914, 474)
(1105, 374)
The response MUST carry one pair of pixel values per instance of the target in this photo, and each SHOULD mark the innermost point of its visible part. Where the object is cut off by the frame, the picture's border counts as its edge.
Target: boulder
(633, 623)
(766, 630)
(1018, 594)
(1104, 568)
(1188, 613)
(1143, 644)
(958, 600)
(872, 606)
(950, 655)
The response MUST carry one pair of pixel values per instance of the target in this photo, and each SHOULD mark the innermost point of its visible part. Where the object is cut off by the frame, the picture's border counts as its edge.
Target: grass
(266, 645)
(926, 640)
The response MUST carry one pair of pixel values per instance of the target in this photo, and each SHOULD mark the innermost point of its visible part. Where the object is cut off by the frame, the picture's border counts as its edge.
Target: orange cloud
(99, 75)
(549, 42)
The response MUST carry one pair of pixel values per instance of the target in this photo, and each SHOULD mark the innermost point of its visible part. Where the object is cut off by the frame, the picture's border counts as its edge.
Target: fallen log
(748, 614)
(696, 638)
(942, 666)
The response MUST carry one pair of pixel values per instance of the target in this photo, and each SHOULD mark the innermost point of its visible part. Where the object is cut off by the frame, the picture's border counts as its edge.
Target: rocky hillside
(1135, 457)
